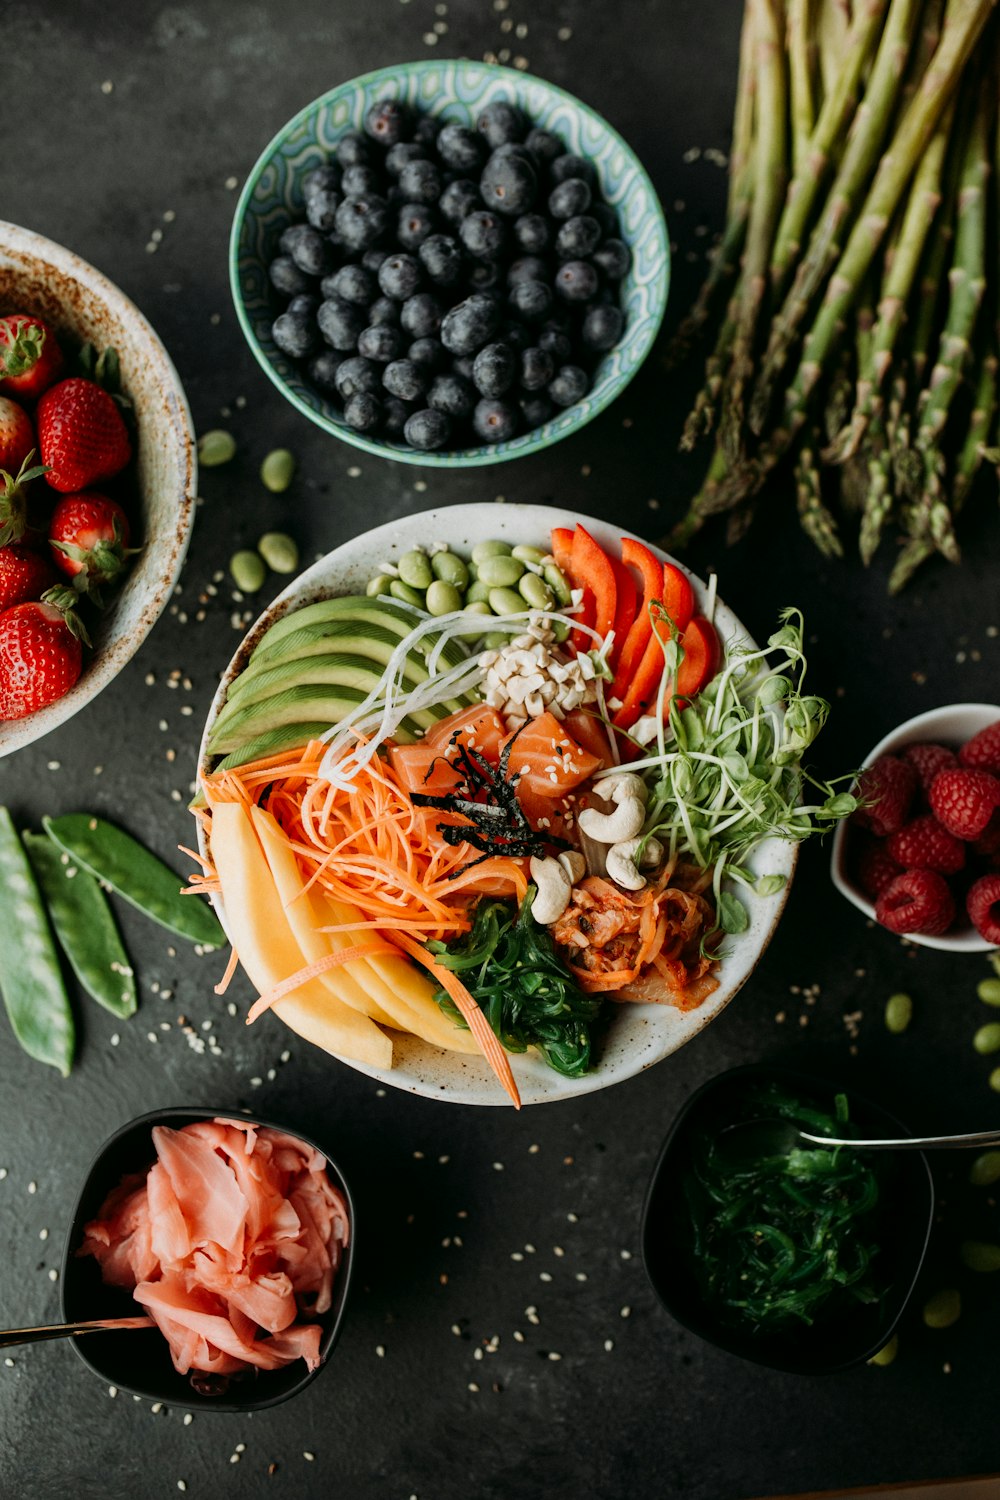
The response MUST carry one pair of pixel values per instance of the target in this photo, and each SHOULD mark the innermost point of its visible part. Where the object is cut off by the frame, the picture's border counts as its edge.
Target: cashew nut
(618, 788)
(553, 890)
(611, 828)
(574, 864)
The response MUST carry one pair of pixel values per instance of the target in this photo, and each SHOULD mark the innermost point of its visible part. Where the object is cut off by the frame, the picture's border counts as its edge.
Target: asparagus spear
(816, 520)
(974, 448)
(800, 77)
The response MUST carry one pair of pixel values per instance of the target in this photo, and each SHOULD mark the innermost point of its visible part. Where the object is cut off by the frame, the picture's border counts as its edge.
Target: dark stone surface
(197, 91)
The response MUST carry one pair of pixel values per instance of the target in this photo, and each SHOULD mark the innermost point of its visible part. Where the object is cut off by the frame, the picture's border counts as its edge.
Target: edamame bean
(30, 977)
(535, 592)
(529, 555)
(887, 1353)
(415, 569)
(477, 593)
(482, 550)
(557, 582)
(450, 569)
(979, 1255)
(378, 585)
(500, 572)
(994, 1080)
(400, 590)
(120, 861)
(495, 640)
(443, 598)
(477, 607)
(247, 571)
(987, 1039)
(898, 1013)
(943, 1309)
(279, 551)
(278, 470)
(560, 628)
(988, 991)
(985, 1170)
(216, 447)
(83, 923)
(506, 602)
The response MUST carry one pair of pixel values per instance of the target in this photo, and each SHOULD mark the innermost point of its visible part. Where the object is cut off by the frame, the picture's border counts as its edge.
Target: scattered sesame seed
(544, 1276)
(558, 1251)
(255, 1083)
(3, 1173)
(473, 1387)
(553, 1355)
(107, 87)
(564, 33)
(516, 1255)
(609, 1344)
(534, 1150)
(53, 1275)
(625, 1254)
(581, 1275)
(572, 1219)
(308, 1456)
(156, 1408)
(380, 1350)
(9, 1362)
(43, 1234)
(232, 183)
(625, 1312)
(234, 1458)
(518, 1336)
(181, 1485)
(498, 1166)
(32, 1187)
(188, 1419)
(54, 765)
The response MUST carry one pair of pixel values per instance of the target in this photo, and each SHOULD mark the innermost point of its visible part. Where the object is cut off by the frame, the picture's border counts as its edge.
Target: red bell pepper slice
(637, 555)
(562, 550)
(678, 596)
(593, 571)
(702, 654)
(626, 609)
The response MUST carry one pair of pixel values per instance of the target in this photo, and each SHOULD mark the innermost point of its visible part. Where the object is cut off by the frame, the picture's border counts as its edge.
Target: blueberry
(359, 181)
(531, 300)
(354, 151)
(381, 342)
(494, 421)
(516, 336)
(295, 334)
(483, 234)
(532, 233)
(406, 380)
(363, 412)
(459, 199)
(576, 281)
(528, 268)
(460, 148)
(287, 278)
(441, 258)
(305, 302)
(428, 352)
(501, 123)
(535, 410)
(383, 310)
(322, 370)
(415, 223)
(397, 156)
(309, 248)
(452, 395)
(326, 176)
(373, 258)
(421, 315)
(358, 375)
(602, 328)
(514, 148)
(388, 122)
(399, 276)
(577, 237)
(573, 166)
(613, 258)
(427, 430)
(570, 385)
(351, 283)
(463, 366)
(544, 146)
(362, 220)
(569, 198)
(556, 343)
(395, 413)
(470, 324)
(321, 209)
(606, 217)
(421, 181)
(340, 323)
(428, 129)
(536, 369)
(481, 275)
(493, 369)
(508, 184)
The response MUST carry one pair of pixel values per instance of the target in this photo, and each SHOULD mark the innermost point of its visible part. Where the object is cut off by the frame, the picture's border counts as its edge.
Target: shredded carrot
(223, 984)
(312, 971)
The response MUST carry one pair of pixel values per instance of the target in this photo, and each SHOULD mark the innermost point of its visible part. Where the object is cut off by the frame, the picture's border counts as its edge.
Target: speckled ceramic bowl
(457, 90)
(638, 1035)
(39, 276)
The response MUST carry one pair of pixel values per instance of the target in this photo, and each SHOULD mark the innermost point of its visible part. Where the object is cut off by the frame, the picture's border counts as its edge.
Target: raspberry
(916, 901)
(928, 760)
(924, 845)
(887, 788)
(988, 842)
(876, 868)
(983, 905)
(964, 801)
(982, 752)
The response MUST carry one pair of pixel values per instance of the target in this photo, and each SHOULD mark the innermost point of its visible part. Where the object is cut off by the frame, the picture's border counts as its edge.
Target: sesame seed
(498, 1166)
(625, 1254)
(553, 1355)
(380, 1350)
(544, 1276)
(518, 1336)
(181, 1485)
(572, 1219)
(32, 1187)
(308, 1456)
(625, 1312)
(3, 1173)
(156, 1408)
(43, 1234)
(234, 1458)
(473, 1387)
(609, 1344)
(188, 1419)
(112, 1391)
(9, 1363)
(53, 1275)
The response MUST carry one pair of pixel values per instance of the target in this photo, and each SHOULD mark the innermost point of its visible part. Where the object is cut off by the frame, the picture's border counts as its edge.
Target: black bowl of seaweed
(802, 1260)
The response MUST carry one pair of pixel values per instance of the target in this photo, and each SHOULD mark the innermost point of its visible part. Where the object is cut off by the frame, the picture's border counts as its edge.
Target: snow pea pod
(117, 859)
(81, 916)
(30, 977)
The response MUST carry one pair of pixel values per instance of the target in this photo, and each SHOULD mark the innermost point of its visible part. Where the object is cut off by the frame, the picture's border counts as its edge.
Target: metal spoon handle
(914, 1143)
(11, 1336)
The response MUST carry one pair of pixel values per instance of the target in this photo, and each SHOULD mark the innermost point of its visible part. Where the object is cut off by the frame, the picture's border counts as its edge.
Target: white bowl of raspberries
(921, 856)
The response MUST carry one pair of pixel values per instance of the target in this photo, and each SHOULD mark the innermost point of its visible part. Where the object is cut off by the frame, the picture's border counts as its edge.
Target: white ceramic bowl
(39, 276)
(638, 1035)
(950, 726)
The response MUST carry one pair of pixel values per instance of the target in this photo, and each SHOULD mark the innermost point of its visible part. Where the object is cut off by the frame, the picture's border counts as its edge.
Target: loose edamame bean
(943, 1309)
(278, 470)
(378, 585)
(494, 640)
(535, 592)
(987, 1039)
(988, 991)
(506, 602)
(985, 1170)
(994, 1080)
(477, 593)
(477, 607)
(216, 447)
(83, 923)
(558, 583)
(898, 1013)
(560, 628)
(279, 551)
(979, 1255)
(120, 861)
(400, 590)
(248, 571)
(887, 1353)
(30, 977)
(450, 569)
(482, 550)
(529, 555)
(443, 598)
(415, 569)
(500, 572)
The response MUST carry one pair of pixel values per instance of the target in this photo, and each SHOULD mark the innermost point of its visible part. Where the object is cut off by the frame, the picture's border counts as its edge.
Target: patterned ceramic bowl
(457, 90)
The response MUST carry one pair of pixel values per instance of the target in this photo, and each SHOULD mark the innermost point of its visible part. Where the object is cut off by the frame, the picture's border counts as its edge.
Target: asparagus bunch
(855, 287)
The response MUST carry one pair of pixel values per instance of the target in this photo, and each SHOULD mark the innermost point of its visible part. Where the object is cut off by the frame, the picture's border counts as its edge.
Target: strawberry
(81, 435)
(40, 659)
(24, 575)
(876, 868)
(30, 357)
(964, 801)
(17, 448)
(916, 901)
(17, 436)
(982, 752)
(89, 536)
(927, 761)
(924, 845)
(886, 789)
(983, 905)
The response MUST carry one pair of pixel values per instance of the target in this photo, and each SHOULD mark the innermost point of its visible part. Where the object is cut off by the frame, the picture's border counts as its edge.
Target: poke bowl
(637, 1035)
(455, 91)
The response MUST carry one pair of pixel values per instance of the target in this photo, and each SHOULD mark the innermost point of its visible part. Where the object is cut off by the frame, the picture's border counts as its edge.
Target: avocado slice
(302, 627)
(287, 737)
(331, 701)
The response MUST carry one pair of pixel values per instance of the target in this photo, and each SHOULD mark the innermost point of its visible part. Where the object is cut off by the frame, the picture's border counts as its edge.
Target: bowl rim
(903, 734)
(15, 734)
(328, 1343)
(809, 1080)
(538, 438)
